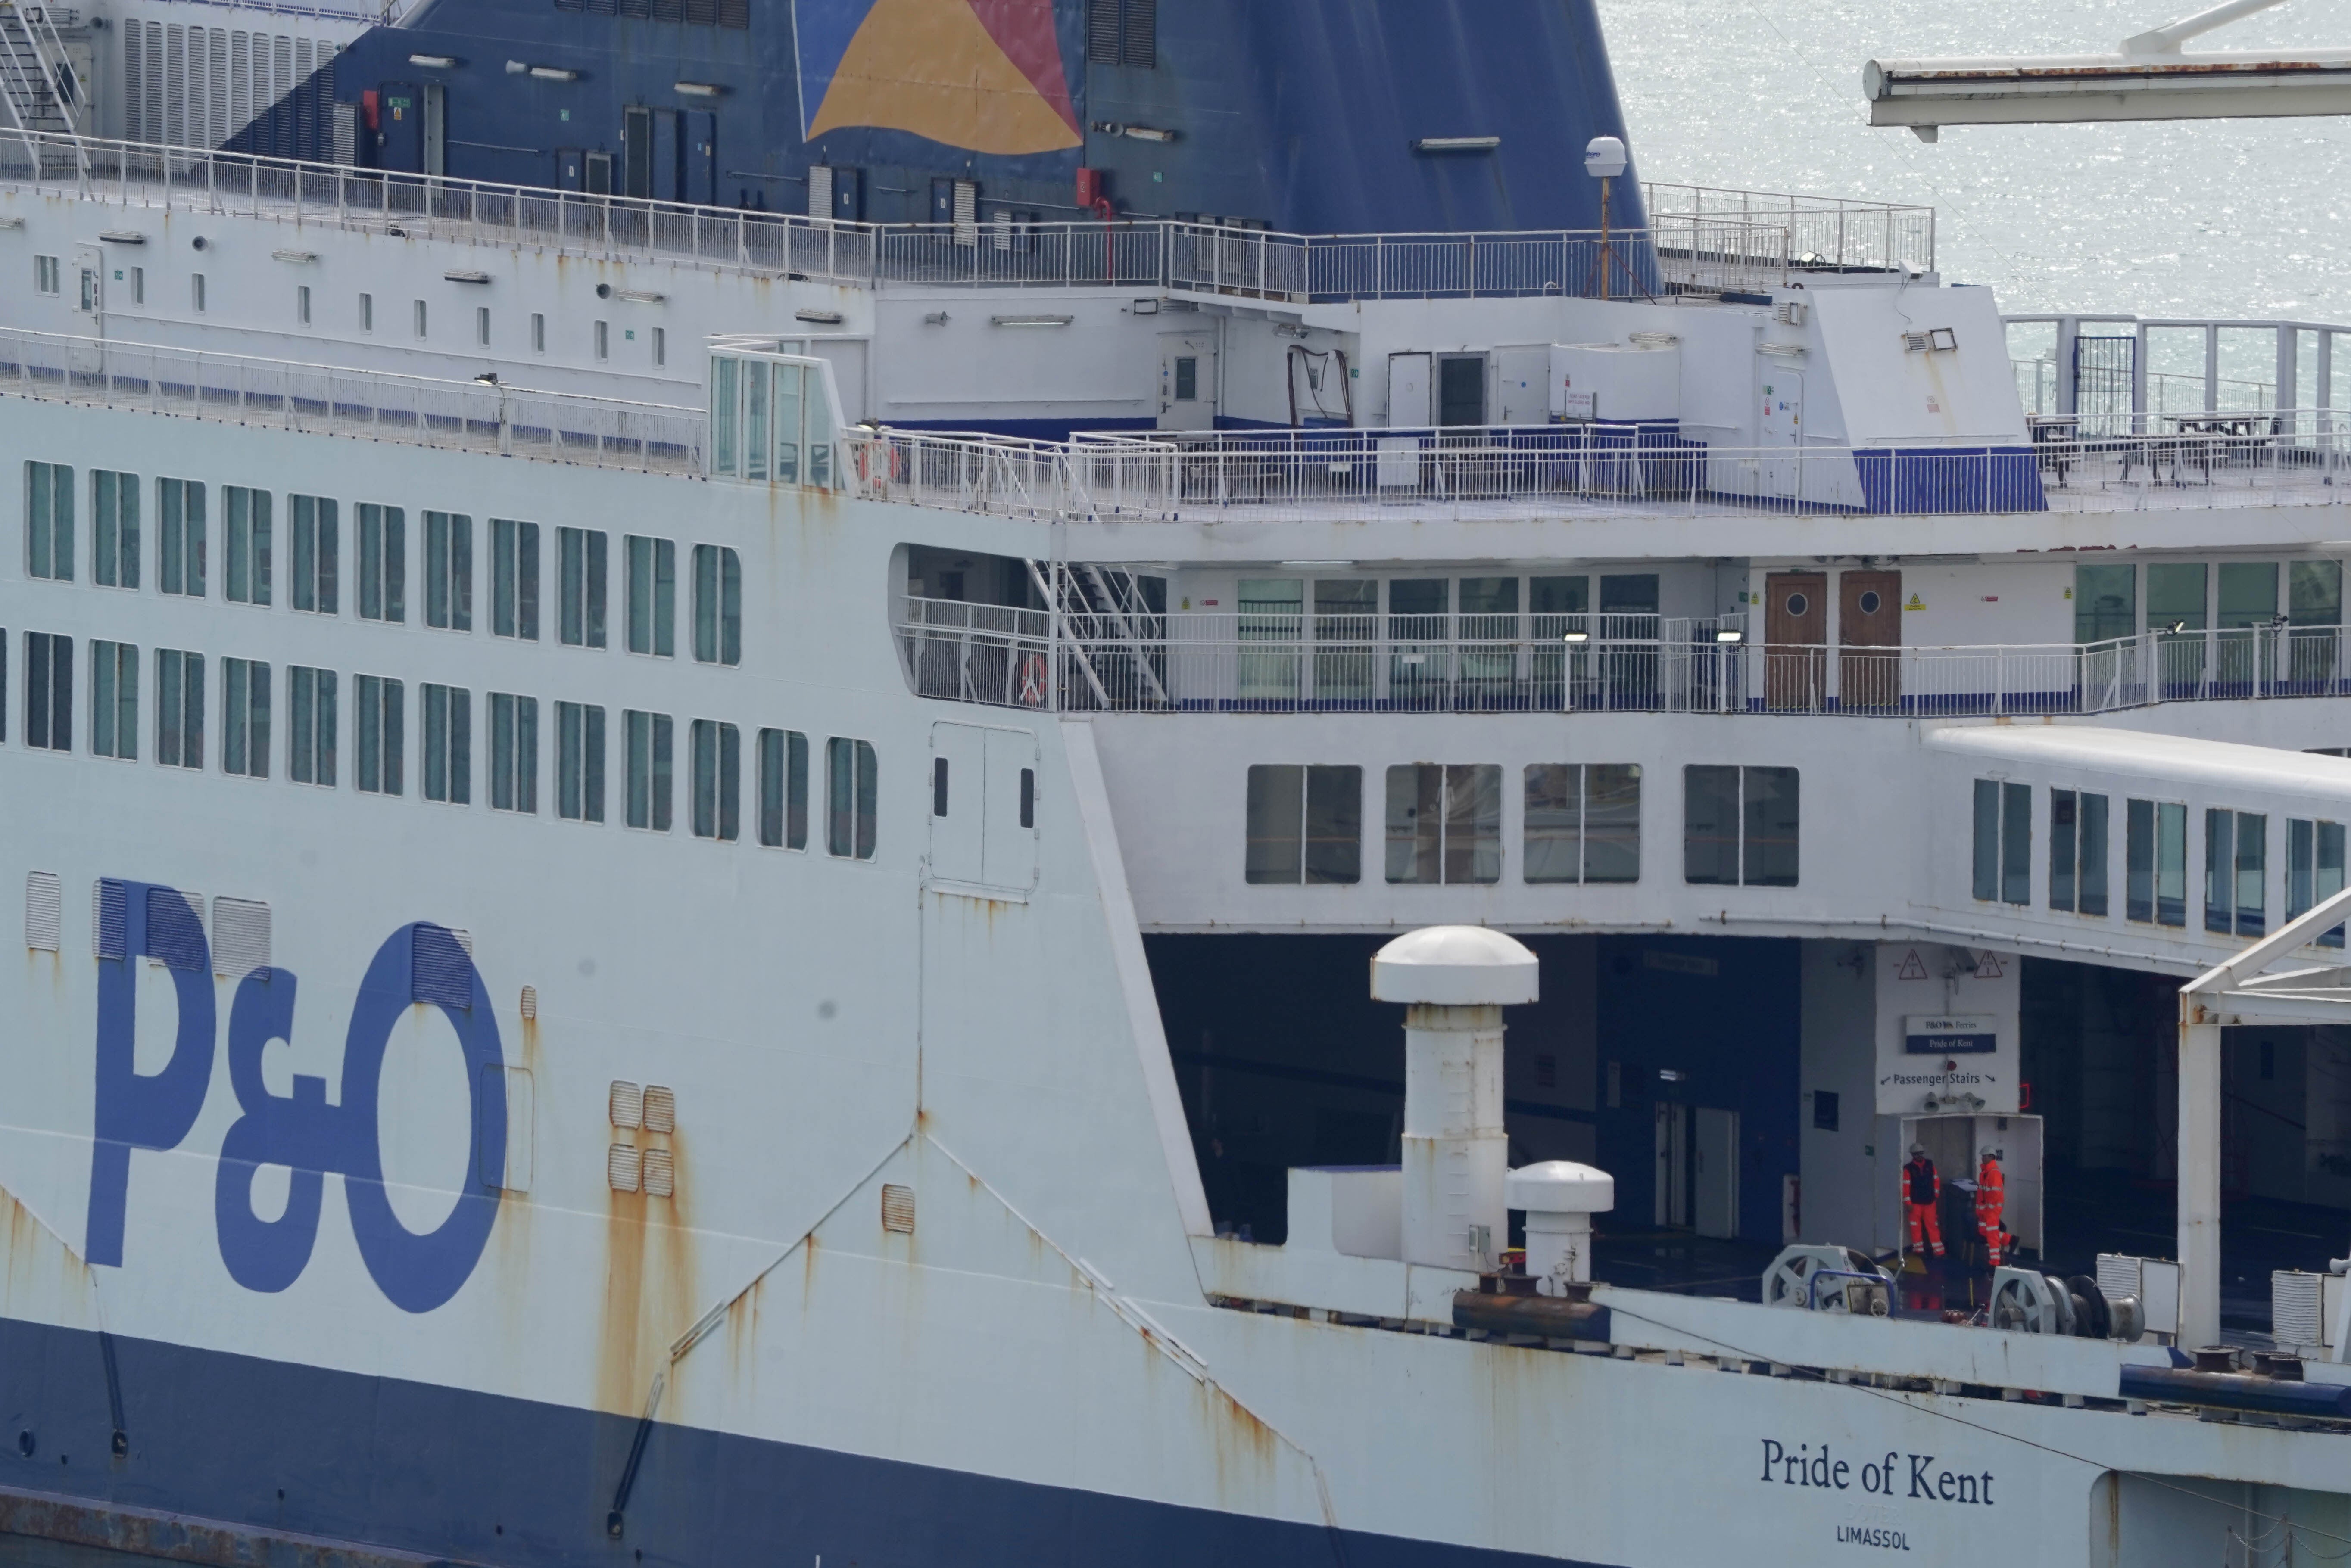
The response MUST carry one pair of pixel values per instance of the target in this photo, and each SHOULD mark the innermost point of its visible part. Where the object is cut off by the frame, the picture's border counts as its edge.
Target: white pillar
(1454, 982)
(2199, 1173)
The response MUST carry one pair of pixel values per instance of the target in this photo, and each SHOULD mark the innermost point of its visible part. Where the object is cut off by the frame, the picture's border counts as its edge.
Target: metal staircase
(40, 88)
(1114, 639)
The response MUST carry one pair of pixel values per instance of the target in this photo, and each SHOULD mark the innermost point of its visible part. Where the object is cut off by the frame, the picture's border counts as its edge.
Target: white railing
(1824, 232)
(1299, 663)
(1715, 245)
(416, 411)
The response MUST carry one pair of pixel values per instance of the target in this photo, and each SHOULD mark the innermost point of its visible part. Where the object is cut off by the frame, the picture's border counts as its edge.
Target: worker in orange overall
(1990, 1186)
(1920, 1189)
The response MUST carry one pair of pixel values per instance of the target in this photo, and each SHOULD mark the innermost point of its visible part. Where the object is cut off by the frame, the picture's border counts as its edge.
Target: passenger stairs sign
(1951, 1035)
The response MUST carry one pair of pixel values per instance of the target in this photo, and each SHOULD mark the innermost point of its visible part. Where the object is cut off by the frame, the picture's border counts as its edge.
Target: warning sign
(1988, 967)
(1913, 967)
(1915, 602)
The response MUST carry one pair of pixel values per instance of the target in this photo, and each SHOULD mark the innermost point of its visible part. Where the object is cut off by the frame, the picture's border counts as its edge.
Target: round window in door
(1870, 601)
(1798, 604)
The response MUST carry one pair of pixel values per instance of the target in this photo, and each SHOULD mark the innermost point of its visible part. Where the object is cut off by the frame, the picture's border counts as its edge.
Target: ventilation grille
(240, 937)
(530, 1001)
(820, 190)
(627, 1105)
(661, 1173)
(45, 899)
(175, 929)
(622, 1169)
(2294, 1299)
(898, 1209)
(440, 966)
(660, 1109)
(207, 87)
(967, 212)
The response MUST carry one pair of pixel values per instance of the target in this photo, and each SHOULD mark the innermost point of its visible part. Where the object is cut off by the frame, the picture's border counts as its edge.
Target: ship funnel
(1454, 980)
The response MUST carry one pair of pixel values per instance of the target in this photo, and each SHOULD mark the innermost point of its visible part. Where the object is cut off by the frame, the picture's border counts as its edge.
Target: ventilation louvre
(44, 900)
(106, 923)
(660, 1173)
(240, 937)
(622, 1169)
(440, 966)
(530, 1001)
(627, 1105)
(898, 1209)
(660, 1109)
(175, 929)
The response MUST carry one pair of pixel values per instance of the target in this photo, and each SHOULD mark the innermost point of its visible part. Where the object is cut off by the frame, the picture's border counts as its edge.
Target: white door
(1714, 1173)
(1409, 391)
(1008, 837)
(958, 790)
(89, 288)
(1188, 381)
(1784, 432)
(1673, 1163)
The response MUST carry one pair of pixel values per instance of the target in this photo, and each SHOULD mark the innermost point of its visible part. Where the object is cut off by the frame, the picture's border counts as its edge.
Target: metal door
(702, 157)
(403, 131)
(1188, 381)
(1795, 629)
(1409, 399)
(89, 303)
(569, 166)
(1008, 812)
(666, 162)
(1673, 1165)
(636, 151)
(1869, 628)
(1782, 468)
(959, 793)
(436, 129)
(1714, 1171)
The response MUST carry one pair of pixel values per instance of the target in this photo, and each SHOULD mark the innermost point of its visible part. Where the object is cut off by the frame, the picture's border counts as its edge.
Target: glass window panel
(2106, 603)
(1473, 823)
(755, 419)
(1334, 823)
(2328, 879)
(2172, 865)
(2138, 859)
(789, 416)
(1553, 851)
(1772, 827)
(1612, 822)
(2252, 873)
(2016, 843)
(2314, 593)
(2248, 594)
(2062, 848)
(1711, 820)
(1273, 852)
(726, 412)
(1415, 822)
(2220, 870)
(1987, 840)
(2094, 830)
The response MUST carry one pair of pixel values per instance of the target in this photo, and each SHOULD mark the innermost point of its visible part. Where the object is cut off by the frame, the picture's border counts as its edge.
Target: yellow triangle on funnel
(929, 66)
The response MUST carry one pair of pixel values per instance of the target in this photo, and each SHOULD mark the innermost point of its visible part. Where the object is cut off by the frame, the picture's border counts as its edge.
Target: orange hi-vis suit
(1989, 1190)
(1920, 1189)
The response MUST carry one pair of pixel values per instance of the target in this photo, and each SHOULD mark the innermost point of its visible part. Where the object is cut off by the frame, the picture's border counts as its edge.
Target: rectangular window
(448, 762)
(48, 690)
(114, 700)
(1305, 825)
(1582, 821)
(2077, 851)
(138, 285)
(316, 571)
(179, 707)
(417, 313)
(2003, 842)
(44, 275)
(603, 341)
(245, 718)
(580, 610)
(851, 797)
(384, 562)
(579, 761)
(783, 789)
(449, 571)
(1740, 825)
(538, 333)
(379, 733)
(652, 595)
(2154, 861)
(196, 292)
(717, 605)
(482, 324)
(2236, 866)
(514, 753)
(648, 738)
(245, 578)
(180, 536)
(311, 741)
(49, 521)
(302, 303)
(114, 529)
(367, 312)
(1445, 822)
(2314, 870)
(514, 579)
(2106, 603)
(717, 781)
(661, 346)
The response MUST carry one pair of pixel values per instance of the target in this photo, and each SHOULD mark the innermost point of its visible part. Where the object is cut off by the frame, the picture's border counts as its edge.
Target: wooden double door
(1796, 640)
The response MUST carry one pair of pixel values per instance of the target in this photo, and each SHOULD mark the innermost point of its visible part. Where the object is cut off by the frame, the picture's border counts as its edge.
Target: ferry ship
(1181, 792)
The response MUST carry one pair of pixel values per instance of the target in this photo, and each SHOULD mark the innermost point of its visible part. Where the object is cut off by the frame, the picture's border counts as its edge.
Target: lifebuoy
(1032, 687)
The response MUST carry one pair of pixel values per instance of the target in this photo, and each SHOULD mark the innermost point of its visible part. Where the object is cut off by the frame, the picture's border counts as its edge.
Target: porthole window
(1870, 601)
(1798, 604)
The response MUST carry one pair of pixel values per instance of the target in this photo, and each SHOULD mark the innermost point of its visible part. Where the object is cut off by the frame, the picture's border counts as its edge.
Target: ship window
(1445, 822)
(44, 275)
(661, 346)
(48, 690)
(538, 333)
(603, 341)
(649, 743)
(315, 573)
(1122, 33)
(49, 521)
(245, 718)
(379, 733)
(114, 701)
(448, 762)
(514, 579)
(2002, 844)
(2236, 857)
(416, 312)
(756, 421)
(384, 562)
(851, 796)
(1583, 822)
(302, 303)
(449, 571)
(2314, 870)
(717, 780)
(581, 612)
(514, 753)
(196, 292)
(180, 518)
(245, 576)
(114, 529)
(310, 744)
(2078, 852)
(652, 595)
(1740, 826)
(2154, 862)
(367, 312)
(580, 761)
(783, 789)
(482, 324)
(138, 285)
(717, 605)
(1305, 825)
(724, 417)
(789, 381)
(2106, 603)
(179, 707)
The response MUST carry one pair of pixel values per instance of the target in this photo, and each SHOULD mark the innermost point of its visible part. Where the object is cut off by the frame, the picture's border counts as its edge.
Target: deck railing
(414, 410)
(1542, 663)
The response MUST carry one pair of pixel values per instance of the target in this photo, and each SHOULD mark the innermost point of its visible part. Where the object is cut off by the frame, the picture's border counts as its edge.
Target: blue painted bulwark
(1923, 480)
(1301, 117)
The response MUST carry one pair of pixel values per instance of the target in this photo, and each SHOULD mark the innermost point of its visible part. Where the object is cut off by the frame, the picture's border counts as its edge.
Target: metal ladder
(1105, 624)
(38, 89)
